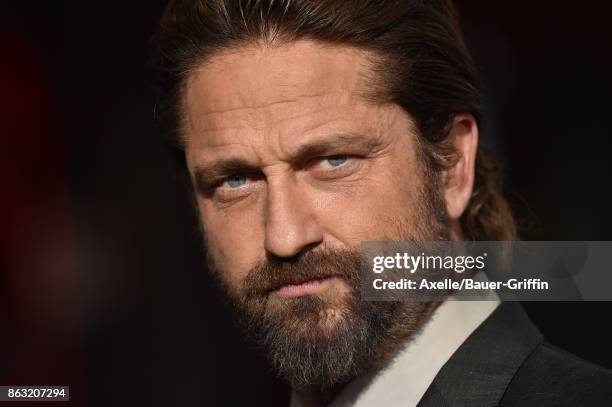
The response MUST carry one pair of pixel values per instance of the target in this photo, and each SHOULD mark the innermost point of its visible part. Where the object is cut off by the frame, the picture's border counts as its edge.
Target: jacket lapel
(481, 369)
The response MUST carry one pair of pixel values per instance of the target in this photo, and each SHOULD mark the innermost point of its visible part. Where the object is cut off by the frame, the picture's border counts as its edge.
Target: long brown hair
(421, 63)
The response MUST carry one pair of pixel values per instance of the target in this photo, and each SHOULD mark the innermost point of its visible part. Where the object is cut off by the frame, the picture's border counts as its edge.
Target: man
(310, 126)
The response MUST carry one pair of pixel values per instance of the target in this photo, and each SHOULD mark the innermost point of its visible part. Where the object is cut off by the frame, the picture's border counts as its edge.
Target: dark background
(101, 278)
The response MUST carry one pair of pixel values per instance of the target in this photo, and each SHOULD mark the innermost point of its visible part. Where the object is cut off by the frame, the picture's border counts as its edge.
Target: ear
(459, 179)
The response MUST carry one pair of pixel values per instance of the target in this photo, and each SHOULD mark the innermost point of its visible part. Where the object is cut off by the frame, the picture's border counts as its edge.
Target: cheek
(372, 208)
(363, 215)
(234, 238)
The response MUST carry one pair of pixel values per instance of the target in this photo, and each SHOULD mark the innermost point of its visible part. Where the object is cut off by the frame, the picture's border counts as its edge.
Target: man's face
(293, 168)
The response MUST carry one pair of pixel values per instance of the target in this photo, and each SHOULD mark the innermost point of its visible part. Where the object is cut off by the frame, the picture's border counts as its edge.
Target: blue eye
(236, 180)
(336, 160)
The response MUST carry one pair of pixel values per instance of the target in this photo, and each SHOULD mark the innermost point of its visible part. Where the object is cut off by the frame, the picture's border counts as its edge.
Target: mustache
(272, 273)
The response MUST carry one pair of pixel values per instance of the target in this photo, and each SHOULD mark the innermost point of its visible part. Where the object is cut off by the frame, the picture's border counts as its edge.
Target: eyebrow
(205, 176)
(322, 147)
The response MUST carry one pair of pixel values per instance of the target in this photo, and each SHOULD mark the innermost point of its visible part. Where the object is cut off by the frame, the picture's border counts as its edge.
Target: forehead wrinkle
(238, 108)
(209, 126)
(318, 127)
(287, 91)
(299, 115)
(290, 81)
(337, 121)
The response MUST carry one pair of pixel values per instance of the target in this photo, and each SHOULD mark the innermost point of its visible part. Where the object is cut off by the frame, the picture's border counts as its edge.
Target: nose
(291, 222)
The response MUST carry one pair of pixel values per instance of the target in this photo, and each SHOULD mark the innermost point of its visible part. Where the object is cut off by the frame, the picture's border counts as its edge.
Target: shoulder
(553, 377)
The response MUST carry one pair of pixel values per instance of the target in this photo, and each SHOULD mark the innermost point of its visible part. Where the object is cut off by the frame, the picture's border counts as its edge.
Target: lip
(309, 287)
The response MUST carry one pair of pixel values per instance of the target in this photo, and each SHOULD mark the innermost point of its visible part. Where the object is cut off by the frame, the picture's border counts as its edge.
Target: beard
(322, 341)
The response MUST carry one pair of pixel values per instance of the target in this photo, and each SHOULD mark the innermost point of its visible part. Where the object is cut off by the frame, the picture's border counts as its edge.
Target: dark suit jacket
(506, 362)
